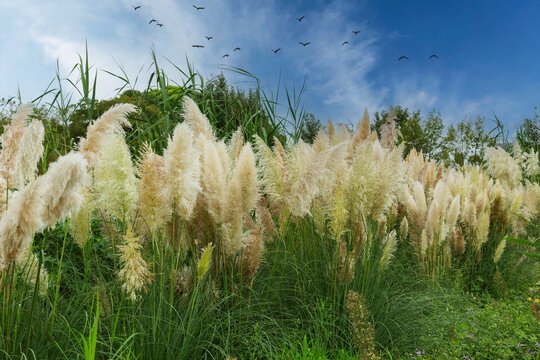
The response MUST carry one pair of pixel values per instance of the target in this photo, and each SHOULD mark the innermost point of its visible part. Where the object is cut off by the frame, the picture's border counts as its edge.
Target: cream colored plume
(11, 146)
(153, 207)
(243, 188)
(364, 132)
(532, 167)
(22, 219)
(183, 169)
(111, 121)
(502, 166)
(214, 182)
(115, 182)
(134, 273)
(30, 152)
(62, 187)
(197, 121)
(235, 146)
(374, 180)
(81, 221)
(389, 132)
(253, 252)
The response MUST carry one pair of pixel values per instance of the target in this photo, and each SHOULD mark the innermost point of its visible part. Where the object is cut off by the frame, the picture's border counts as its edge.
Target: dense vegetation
(192, 221)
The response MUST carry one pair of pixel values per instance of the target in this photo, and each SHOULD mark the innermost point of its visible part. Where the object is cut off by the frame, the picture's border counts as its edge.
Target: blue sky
(489, 50)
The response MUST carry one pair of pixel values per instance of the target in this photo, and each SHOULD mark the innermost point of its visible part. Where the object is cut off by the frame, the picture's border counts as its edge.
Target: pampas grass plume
(62, 187)
(183, 171)
(80, 224)
(214, 182)
(30, 152)
(499, 251)
(197, 121)
(243, 189)
(152, 205)
(115, 182)
(111, 121)
(11, 143)
(23, 218)
(134, 273)
(364, 127)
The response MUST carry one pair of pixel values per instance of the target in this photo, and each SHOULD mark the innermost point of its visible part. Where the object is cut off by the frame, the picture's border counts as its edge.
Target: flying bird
(136, 7)
(197, 46)
(301, 18)
(434, 56)
(355, 32)
(403, 57)
(235, 49)
(345, 43)
(275, 51)
(198, 8)
(153, 20)
(209, 38)
(226, 55)
(160, 25)
(304, 44)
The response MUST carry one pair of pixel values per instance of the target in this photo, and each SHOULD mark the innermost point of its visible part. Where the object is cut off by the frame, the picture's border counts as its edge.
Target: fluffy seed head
(134, 273)
(30, 152)
(183, 170)
(111, 121)
(115, 182)
(152, 205)
(11, 145)
(62, 187)
(196, 119)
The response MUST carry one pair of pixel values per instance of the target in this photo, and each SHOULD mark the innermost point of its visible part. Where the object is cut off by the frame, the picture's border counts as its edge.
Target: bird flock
(275, 51)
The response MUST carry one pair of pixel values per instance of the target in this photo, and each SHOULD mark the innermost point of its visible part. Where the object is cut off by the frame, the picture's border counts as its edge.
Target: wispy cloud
(342, 79)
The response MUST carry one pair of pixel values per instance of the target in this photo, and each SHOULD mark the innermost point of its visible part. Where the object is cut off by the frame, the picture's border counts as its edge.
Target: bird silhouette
(301, 18)
(197, 46)
(434, 56)
(198, 8)
(160, 25)
(355, 32)
(153, 20)
(226, 55)
(304, 44)
(345, 43)
(235, 49)
(136, 7)
(275, 51)
(209, 38)
(403, 57)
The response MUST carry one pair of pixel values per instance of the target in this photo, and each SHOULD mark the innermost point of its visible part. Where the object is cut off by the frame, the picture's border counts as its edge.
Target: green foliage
(310, 129)
(528, 133)
(417, 133)
(482, 329)
(465, 142)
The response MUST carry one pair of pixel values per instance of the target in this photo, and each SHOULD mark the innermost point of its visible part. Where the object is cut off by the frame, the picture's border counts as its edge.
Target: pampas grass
(62, 187)
(183, 171)
(11, 145)
(30, 152)
(111, 121)
(196, 120)
(153, 207)
(115, 181)
(134, 274)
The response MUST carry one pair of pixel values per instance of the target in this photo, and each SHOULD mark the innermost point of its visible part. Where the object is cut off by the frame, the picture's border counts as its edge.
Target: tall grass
(205, 228)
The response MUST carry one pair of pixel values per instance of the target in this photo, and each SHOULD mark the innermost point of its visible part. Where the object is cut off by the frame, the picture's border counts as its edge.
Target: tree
(528, 133)
(466, 142)
(417, 133)
(310, 128)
